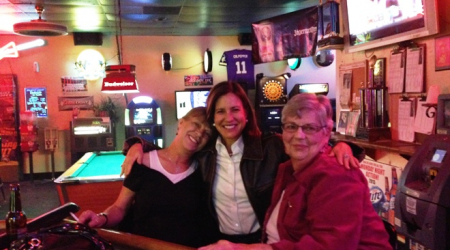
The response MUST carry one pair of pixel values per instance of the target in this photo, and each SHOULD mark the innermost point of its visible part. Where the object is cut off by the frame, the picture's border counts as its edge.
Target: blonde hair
(195, 112)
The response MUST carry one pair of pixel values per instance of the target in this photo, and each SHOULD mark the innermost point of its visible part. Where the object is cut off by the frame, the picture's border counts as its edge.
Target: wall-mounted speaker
(88, 38)
(245, 38)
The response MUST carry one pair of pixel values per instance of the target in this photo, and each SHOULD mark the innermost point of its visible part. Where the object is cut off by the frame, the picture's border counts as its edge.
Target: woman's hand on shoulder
(135, 154)
(226, 245)
(344, 155)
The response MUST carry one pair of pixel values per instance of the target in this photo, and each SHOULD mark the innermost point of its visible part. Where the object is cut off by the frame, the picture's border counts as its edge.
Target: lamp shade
(120, 79)
(166, 61)
(207, 61)
(125, 83)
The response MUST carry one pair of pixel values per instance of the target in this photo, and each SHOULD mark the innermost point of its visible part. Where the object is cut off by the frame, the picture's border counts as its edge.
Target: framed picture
(36, 101)
(198, 81)
(442, 54)
(342, 122)
(352, 123)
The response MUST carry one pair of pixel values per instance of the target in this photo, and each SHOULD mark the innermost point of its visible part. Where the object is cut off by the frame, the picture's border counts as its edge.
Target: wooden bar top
(121, 240)
(127, 241)
(400, 147)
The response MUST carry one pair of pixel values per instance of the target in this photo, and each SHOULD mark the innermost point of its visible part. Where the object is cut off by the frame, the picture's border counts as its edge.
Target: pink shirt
(325, 207)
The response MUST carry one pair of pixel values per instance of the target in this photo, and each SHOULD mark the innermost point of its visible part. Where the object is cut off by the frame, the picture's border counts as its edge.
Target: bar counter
(405, 149)
(127, 241)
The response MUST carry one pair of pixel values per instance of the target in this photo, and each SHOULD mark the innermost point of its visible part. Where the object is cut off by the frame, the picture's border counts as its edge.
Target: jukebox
(422, 205)
(143, 118)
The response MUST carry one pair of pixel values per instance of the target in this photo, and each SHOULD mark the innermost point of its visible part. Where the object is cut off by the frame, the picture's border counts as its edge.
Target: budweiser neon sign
(120, 83)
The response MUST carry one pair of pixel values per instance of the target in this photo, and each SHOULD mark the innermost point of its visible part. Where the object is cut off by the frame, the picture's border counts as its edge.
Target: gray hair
(319, 104)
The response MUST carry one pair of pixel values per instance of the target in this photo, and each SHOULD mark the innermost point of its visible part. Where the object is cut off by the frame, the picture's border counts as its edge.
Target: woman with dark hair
(232, 88)
(238, 165)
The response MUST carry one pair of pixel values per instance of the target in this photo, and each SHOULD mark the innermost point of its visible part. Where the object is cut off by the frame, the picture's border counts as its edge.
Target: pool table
(93, 182)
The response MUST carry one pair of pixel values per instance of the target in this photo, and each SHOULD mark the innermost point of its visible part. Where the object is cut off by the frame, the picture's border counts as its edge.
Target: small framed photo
(442, 53)
(342, 122)
(192, 81)
(352, 123)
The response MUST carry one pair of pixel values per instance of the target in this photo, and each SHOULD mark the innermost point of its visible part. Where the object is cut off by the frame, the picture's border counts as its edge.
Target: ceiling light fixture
(294, 63)
(11, 49)
(166, 61)
(207, 61)
(39, 27)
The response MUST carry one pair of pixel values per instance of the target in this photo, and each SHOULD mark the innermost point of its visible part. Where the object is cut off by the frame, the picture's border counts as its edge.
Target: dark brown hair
(223, 88)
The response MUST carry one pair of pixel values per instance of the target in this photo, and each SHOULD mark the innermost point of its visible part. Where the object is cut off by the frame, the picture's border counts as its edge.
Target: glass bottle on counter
(387, 195)
(16, 220)
(393, 192)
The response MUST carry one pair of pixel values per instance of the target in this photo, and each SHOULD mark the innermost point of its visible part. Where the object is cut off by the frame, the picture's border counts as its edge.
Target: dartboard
(273, 90)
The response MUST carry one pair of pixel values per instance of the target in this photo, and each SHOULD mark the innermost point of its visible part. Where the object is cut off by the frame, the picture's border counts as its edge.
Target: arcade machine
(91, 134)
(317, 88)
(422, 204)
(271, 96)
(143, 118)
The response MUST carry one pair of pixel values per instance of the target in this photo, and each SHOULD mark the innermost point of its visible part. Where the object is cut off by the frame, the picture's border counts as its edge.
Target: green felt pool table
(93, 182)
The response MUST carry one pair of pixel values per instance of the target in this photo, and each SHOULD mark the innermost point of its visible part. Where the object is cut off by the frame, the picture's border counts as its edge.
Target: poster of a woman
(266, 47)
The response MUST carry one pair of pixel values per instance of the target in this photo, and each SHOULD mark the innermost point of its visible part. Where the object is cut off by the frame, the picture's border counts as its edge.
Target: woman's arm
(134, 154)
(113, 215)
(134, 148)
(226, 245)
(348, 154)
(146, 145)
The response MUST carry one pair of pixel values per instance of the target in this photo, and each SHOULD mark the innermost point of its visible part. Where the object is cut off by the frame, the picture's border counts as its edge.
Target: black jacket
(258, 167)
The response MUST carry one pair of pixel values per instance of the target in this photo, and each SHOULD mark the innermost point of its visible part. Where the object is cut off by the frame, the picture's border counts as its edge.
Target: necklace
(177, 168)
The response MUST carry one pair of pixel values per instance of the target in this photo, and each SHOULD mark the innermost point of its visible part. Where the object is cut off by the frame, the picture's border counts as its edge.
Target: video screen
(438, 155)
(370, 20)
(187, 100)
(272, 115)
(143, 116)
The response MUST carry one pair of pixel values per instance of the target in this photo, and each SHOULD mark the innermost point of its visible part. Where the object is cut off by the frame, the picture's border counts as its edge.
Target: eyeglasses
(308, 129)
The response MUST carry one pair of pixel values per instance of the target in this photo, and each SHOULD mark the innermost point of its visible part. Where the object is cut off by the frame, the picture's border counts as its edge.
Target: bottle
(16, 220)
(387, 195)
(393, 192)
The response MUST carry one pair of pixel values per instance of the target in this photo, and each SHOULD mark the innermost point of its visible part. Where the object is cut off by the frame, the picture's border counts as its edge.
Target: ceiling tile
(151, 17)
